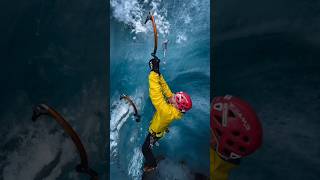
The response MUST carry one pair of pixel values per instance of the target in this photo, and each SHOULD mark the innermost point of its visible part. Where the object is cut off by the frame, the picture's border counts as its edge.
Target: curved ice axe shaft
(83, 167)
(136, 115)
(151, 17)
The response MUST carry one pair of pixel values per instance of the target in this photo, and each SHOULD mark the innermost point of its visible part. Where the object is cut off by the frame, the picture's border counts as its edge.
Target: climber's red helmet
(183, 101)
(236, 129)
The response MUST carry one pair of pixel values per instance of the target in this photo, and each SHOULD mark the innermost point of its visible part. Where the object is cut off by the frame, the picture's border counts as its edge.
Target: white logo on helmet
(234, 155)
(225, 108)
(225, 115)
(240, 115)
(227, 97)
(217, 106)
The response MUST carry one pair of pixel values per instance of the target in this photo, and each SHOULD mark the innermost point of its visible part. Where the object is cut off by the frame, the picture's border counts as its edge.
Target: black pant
(147, 150)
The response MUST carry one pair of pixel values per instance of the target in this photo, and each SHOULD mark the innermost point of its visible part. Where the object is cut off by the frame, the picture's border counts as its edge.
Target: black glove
(154, 65)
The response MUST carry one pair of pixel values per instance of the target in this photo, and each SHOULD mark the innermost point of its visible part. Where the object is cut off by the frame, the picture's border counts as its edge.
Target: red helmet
(237, 131)
(183, 101)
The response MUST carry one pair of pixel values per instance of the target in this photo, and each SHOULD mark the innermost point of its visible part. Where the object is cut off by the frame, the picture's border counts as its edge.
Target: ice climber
(169, 107)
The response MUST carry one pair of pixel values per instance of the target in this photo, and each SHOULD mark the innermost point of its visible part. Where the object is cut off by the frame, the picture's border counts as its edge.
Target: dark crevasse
(267, 53)
(52, 52)
(185, 67)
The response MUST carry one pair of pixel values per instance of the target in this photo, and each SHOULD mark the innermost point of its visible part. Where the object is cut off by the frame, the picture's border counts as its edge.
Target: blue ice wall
(185, 67)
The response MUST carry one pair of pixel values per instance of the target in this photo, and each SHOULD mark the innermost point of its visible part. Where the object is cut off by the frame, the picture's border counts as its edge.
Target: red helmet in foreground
(237, 131)
(183, 101)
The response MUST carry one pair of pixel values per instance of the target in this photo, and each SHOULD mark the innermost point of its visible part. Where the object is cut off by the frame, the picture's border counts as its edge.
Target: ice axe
(151, 18)
(83, 167)
(136, 115)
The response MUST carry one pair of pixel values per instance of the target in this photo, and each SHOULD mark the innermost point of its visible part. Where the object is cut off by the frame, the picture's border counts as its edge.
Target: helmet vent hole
(226, 152)
(218, 118)
(231, 114)
(236, 133)
(230, 143)
(242, 149)
(218, 132)
(246, 139)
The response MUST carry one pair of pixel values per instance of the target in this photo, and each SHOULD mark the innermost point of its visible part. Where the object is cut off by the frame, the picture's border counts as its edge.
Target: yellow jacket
(219, 168)
(166, 113)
